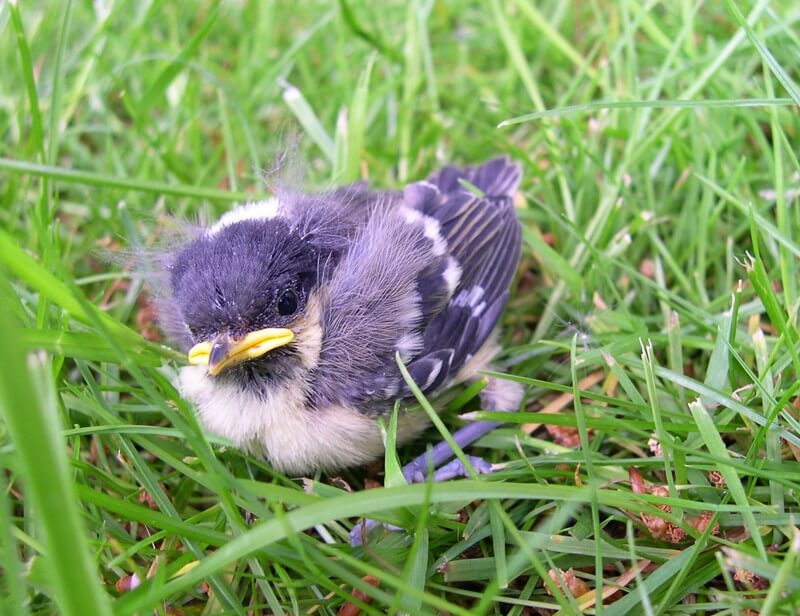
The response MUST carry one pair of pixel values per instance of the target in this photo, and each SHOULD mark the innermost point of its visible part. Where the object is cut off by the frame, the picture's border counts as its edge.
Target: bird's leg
(499, 395)
(416, 471)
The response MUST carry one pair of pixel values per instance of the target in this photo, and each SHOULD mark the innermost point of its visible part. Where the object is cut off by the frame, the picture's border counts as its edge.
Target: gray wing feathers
(391, 285)
(372, 296)
(495, 178)
(484, 236)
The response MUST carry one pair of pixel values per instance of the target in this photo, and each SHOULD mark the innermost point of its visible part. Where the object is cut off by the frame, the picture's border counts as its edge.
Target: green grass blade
(716, 447)
(12, 601)
(37, 133)
(356, 125)
(308, 119)
(107, 181)
(81, 346)
(780, 74)
(28, 406)
(363, 504)
(54, 130)
(597, 106)
(19, 263)
(176, 65)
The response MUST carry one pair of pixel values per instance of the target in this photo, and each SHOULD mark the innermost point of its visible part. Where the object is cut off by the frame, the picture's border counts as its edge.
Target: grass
(655, 468)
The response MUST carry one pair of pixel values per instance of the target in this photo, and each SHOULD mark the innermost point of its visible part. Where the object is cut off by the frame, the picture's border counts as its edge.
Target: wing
(427, 278)
(483, 236)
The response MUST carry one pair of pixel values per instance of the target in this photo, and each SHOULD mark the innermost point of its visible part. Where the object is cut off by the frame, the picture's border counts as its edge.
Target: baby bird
(293, 311)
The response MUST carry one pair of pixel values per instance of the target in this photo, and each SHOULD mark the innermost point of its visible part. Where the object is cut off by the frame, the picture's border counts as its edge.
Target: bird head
(244, 291)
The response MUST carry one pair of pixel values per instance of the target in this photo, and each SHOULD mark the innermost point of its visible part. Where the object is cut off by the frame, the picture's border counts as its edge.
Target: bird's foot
(498, 394)
(455, 468)
(363, 528)
(451, 470)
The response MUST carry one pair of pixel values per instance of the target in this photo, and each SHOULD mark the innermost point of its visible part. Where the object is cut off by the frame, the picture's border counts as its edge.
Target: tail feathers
(498, 177)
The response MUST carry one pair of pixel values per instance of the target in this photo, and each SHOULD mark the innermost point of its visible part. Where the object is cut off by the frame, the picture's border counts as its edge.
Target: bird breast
(294, 438)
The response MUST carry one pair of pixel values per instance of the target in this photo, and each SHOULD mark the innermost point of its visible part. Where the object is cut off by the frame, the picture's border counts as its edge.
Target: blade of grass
(552, 260)
(11, 586)
(559, 42)
(101, 180)
(29, 408)
(499, 549)
(716, 447)
(54, 130)
(19, 263)
(780, 74)
(362, 504)
(416, 567)
(166, 76)
(520, 64)
(37, 132)
(82, 346)
(357, 125)
(597, 106)
(309, 120)
(645, 606)
(587, 451)
(412, 78)
(392, 472)
(374, 40)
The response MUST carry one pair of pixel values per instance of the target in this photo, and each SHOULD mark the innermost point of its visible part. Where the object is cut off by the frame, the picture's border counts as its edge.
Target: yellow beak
(223, 352)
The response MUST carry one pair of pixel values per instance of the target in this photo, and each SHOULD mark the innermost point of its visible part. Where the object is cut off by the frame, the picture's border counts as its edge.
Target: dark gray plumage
(483, 236)
(297, 306)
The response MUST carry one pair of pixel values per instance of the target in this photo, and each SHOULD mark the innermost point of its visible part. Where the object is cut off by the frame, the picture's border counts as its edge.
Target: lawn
(655, 466)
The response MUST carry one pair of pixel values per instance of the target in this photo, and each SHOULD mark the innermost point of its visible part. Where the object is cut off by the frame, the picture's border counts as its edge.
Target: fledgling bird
(293, 310)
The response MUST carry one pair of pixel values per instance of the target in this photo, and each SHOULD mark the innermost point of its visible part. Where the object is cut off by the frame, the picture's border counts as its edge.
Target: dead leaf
(655, 446)
(700, 522)
(611, 589)
(658, 527)
(716, 479)
(561, 402)
(567, 579)
(598, 302)
(350, 609)
(637, 483)
(146, 499)
(647, 268)
(566, 436)
(127, 583)
(750, 580)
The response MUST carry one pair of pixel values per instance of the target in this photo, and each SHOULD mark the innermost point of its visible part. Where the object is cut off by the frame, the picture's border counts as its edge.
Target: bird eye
(287, 303)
